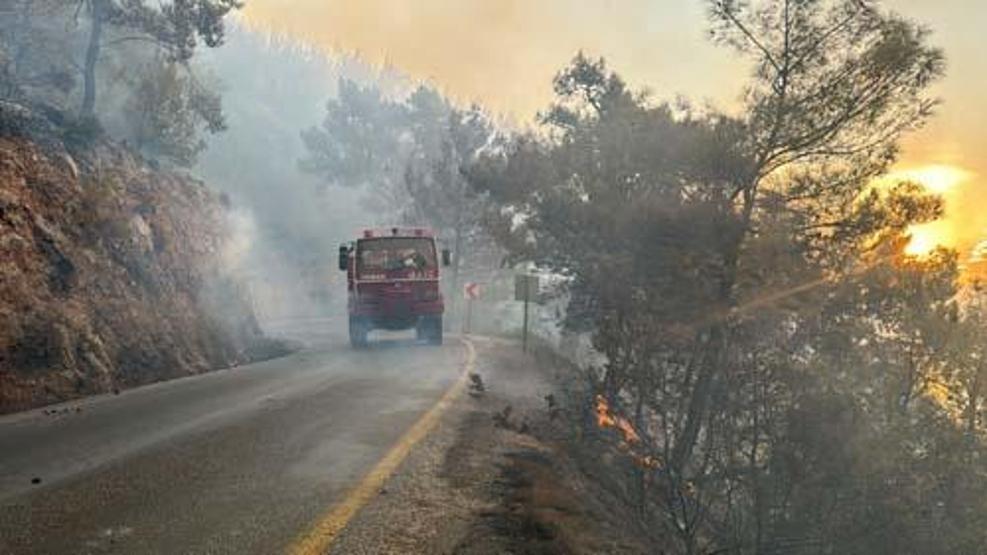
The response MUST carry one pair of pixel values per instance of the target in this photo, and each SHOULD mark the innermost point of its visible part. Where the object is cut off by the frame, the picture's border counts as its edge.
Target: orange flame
(607, 418)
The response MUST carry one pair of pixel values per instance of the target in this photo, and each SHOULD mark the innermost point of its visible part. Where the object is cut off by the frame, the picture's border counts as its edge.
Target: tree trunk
(971, 407)
(716, 356)
(96, 12)
(699, 399)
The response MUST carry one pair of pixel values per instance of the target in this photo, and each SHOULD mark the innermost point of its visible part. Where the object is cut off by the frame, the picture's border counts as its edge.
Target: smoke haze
(503, 54)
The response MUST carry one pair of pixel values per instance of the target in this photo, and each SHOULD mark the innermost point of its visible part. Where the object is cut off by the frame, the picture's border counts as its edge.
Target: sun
(925, 239)
(941, 180)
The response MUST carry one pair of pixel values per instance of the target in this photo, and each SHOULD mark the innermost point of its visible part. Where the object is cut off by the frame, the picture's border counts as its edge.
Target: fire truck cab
(392, 275)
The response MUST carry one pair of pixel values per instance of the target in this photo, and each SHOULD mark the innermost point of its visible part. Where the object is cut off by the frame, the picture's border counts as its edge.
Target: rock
(71, 165)
(502, 419)
(103, 284)
(141, 233)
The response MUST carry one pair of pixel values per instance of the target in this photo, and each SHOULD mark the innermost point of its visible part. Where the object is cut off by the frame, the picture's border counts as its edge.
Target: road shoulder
(494, 476)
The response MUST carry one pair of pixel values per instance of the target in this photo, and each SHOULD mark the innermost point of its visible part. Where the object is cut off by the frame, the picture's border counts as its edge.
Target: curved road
(236, 461)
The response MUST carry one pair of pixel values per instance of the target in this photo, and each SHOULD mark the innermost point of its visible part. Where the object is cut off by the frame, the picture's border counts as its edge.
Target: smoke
(503, 55)
(285, 225)
(242, 235)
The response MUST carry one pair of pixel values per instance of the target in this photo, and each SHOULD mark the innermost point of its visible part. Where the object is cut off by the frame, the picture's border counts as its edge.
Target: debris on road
(476, 387)
(554, 410)
(502, 419)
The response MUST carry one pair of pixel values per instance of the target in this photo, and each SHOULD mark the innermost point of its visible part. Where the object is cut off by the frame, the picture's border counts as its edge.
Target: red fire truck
(393, 280)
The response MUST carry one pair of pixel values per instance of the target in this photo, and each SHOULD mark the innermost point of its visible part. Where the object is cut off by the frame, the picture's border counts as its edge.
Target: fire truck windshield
(392, 254)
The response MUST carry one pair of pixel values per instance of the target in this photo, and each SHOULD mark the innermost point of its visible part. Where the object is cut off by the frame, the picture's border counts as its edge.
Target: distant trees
(411, 156)
(449, 140)
(797, 381)
(360, 143)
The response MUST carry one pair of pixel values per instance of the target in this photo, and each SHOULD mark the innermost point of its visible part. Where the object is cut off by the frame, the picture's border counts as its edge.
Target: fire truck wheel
(358, 333)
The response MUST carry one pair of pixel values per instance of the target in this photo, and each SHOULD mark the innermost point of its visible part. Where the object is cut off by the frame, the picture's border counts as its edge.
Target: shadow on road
(392, 343)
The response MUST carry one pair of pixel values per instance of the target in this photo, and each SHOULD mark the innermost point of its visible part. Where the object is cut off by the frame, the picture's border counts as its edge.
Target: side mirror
(446, 257)
(344, 257)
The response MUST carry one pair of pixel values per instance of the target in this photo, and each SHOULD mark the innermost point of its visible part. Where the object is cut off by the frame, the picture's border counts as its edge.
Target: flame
(607, 418)
(938, 179)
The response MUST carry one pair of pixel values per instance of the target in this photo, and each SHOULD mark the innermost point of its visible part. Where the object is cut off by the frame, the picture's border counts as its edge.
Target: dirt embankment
(546, 496)
(112, 272)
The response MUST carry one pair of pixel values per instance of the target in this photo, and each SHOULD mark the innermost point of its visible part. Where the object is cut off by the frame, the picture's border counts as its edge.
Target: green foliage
(81, 132)
(136, 54)
(170, 110)
(175, 28)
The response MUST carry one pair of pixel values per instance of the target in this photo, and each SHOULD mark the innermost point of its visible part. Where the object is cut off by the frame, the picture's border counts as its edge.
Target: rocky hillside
(112, 273)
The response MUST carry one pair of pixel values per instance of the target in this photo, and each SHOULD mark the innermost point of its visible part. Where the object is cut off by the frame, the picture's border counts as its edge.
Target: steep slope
(112, 273)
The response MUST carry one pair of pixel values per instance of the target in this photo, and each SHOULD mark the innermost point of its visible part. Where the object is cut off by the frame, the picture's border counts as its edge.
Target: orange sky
(503, 54)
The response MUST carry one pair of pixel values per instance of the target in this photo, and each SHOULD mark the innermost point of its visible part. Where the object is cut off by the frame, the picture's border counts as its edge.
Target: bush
(81, 132)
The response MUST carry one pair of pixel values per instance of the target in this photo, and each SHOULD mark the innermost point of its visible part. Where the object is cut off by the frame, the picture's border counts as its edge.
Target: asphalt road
(235, 461)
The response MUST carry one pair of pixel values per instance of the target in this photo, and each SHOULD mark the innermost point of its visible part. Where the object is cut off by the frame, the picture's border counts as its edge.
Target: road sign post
(471, 292)
(525, 289)
(524, 333)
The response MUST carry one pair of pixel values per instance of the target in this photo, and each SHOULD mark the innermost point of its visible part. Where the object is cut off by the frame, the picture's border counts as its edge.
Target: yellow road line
(327, 528)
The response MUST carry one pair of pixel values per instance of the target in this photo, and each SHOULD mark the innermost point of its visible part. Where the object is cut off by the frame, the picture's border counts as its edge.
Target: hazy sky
(503, 54)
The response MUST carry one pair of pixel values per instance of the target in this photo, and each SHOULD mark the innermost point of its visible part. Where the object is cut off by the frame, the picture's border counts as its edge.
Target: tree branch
(726, 12)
